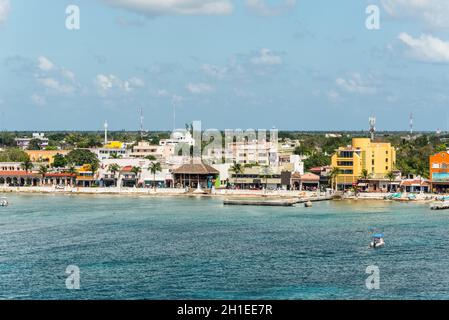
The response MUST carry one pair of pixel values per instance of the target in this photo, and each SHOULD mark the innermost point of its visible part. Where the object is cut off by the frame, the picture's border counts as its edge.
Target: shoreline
(220, 193)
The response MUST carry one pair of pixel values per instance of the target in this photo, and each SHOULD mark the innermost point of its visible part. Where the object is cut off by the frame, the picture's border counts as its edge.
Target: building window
(386, 159)
(372, 162)
(345, 163)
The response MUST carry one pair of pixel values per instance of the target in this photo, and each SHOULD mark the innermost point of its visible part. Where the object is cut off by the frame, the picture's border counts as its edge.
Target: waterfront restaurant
(439, 172)
(19, 178)
(190, 175)
(307, 181)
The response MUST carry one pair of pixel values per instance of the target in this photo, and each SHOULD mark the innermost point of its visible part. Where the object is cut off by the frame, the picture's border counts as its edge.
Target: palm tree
(27, 165)
(390, 176)
(114, 168)
(43, 170)
(72, 171)
(364, 174)
(154, 168)
(333, 175)
(151, 158)
(237, 169)
(266, 171)
(136, 171)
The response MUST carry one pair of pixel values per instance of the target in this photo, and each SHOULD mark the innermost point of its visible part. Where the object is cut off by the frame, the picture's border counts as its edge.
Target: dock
(439, 205)
(274, 202)
(261, 202)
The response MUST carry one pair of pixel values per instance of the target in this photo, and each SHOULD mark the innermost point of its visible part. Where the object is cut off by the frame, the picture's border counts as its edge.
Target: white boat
(378, 241)
(308, 204)
(4, 202)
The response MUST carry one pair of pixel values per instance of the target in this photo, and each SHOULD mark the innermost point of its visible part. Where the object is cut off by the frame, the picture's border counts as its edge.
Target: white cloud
(175, 7)
(262, 8)
(45, 64)
(333, 95)
(5, 8)
(433, 13)
(214, 71)
(355, 84)
(38, 100)
(113, 84)
(266, 57)
(426, 48)
(199, 88)
(55, 86)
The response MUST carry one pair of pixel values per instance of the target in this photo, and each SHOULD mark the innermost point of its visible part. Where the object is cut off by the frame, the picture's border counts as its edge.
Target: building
(45, 156)
(178, 137)
(439, 172)
(85, 177)
(113, 149)
(252, 152)
(25, 142)
(377, 158)
(415, 185)
(307, 181)
(194, 174)
(161, 153)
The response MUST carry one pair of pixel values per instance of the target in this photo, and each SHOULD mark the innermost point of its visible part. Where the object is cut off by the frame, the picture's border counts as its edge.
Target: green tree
(136, 171)
(13, 155)
(43, 170)
(317, 159)
(333, 176)
(35, 144)
(364, 174)
(59, 161)
(27, 165)
(154, 168)
(80, 157)
(151, 158)
(114, 168)
(237, 169)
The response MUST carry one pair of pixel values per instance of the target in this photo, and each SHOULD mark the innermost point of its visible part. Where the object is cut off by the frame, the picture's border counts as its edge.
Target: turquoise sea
(196, 248)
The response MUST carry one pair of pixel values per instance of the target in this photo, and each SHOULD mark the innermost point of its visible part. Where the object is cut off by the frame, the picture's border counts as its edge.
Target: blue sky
(297, 65)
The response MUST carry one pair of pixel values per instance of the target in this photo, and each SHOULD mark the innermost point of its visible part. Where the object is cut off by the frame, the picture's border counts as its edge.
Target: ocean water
(196, 248)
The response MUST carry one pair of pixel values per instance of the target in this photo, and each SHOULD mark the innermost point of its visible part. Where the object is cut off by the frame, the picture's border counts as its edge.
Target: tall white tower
(411, 124)
(106, 132)
(141, 122)
(372, 126)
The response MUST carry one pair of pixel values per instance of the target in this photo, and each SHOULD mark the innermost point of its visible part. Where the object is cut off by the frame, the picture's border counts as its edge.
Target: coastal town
(367, 166)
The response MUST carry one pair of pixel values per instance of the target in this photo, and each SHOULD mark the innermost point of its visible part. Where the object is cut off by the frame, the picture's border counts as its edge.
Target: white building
(25, 142)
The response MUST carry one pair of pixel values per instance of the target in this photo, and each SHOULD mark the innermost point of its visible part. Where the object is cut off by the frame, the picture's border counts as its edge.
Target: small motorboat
(378, 241)
(4, 202)
(308, 204)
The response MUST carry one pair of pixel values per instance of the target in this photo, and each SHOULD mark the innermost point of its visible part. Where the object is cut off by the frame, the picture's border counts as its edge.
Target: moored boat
(4, 202)
(378, 241)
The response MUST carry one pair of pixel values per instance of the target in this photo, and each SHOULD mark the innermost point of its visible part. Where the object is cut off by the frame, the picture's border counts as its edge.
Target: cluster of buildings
(366, 165)
(261, 164)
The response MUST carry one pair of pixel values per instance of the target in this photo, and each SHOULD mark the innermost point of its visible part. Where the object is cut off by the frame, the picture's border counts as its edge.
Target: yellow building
(45, 156)
(114, 145)
(377, 158)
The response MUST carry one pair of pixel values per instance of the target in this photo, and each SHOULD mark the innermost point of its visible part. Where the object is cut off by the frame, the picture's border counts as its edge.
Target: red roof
(127, 169)
(60, 175)
(16, 173)
(408, 183)
(306, 177)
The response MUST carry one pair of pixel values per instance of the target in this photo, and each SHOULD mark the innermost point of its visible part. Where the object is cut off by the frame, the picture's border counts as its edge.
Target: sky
(288, 64)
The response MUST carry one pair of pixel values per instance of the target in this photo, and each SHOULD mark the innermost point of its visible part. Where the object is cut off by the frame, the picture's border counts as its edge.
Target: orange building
(439, 172)
(45, 156)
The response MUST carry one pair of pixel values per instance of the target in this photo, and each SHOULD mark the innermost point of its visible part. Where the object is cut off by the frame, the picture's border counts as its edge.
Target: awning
(362, 184)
